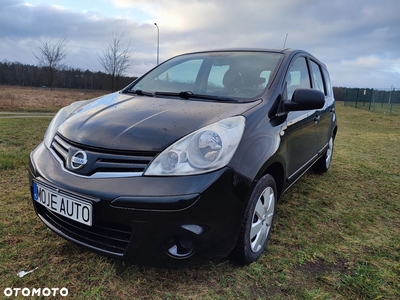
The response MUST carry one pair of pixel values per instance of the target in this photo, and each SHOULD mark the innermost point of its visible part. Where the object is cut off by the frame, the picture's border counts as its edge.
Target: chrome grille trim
(103, 161)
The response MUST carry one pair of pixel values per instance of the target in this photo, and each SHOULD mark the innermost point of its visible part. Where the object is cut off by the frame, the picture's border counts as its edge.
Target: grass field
(31, 99)
(336, 236)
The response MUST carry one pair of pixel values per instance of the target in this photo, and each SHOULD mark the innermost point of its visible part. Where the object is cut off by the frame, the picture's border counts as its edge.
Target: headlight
(204, 150)
(58, 119)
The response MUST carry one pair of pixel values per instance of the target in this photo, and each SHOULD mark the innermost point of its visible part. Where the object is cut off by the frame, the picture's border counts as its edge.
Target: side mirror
(305, 99)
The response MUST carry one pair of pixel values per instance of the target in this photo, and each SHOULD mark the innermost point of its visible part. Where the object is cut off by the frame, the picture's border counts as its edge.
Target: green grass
(337, 235)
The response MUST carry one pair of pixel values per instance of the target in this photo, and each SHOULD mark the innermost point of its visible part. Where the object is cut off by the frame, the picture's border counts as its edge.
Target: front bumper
(162, 221)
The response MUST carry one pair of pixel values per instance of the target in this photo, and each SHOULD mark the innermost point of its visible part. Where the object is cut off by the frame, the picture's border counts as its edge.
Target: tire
(324, 162)
(257, 222)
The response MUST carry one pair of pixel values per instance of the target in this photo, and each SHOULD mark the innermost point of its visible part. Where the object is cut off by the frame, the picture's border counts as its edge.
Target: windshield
(215, 75)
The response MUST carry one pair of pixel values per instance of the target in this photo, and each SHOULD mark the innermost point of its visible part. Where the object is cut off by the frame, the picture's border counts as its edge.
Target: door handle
(317, 118)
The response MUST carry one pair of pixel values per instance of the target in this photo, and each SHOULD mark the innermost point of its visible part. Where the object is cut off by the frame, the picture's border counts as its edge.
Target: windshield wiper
(141, 93)
(184, 95)
(191, 95)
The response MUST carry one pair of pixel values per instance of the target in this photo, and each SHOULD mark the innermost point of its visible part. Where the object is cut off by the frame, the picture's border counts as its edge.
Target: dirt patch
(317, 268)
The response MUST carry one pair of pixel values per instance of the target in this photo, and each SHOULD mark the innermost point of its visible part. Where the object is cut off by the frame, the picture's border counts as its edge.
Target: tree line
(16, 73)
(50, 72)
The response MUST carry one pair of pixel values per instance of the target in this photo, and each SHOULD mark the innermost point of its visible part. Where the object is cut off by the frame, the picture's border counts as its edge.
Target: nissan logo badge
(78, 160)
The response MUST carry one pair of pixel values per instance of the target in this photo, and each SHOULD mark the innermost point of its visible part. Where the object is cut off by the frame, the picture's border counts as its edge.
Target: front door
(301, 126)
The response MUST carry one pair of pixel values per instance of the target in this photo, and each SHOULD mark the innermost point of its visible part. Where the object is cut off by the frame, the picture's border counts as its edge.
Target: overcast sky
(358, 40)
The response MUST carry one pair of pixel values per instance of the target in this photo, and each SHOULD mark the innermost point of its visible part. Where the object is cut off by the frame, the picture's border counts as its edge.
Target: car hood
(124, 122)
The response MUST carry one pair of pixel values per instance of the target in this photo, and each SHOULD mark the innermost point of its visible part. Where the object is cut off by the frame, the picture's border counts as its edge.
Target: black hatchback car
(187, 163)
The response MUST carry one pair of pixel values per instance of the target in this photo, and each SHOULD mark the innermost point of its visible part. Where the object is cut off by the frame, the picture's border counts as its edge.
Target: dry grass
(33, 99)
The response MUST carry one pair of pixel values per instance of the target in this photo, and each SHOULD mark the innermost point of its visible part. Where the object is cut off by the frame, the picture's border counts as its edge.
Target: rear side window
(318, 82)
(328, 84)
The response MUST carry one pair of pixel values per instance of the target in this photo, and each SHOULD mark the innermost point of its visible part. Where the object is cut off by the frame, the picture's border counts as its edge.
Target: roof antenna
(284, 44)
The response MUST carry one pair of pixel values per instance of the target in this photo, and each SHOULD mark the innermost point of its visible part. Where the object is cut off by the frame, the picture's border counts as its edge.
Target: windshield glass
(214, 75)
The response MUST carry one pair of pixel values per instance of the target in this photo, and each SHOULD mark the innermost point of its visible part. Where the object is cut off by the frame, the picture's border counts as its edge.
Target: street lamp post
(158, 42)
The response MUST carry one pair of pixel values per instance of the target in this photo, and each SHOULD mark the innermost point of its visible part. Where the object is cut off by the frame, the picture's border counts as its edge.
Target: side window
(318, 82)
(328, 84)
(298, 76)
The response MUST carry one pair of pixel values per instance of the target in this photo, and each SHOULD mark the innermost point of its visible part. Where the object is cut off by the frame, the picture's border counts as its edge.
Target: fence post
(358, 91)
(346, 96)
(372, 100)
(364, 93)
(391, 102)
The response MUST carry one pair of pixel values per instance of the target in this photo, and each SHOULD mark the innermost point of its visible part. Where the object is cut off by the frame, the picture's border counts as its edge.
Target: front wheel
(257, 222)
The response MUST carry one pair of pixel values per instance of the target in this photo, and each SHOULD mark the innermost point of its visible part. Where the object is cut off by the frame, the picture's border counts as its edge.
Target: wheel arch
(277, 171)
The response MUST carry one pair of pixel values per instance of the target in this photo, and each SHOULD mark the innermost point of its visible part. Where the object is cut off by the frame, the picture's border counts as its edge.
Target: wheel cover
(329, 151)
(262, 219)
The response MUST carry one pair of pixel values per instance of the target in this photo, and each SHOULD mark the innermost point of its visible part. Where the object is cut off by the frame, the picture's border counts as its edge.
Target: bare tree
(50, 54)
(116, 58)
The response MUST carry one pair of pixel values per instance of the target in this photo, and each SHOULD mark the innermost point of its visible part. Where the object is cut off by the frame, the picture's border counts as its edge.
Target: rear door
(323, 115)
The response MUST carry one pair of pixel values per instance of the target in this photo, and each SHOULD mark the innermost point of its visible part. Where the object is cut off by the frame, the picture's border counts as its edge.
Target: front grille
(109, 238)
(101, 160)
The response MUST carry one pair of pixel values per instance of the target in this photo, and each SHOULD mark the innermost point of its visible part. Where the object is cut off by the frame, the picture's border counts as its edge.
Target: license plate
(65, 205)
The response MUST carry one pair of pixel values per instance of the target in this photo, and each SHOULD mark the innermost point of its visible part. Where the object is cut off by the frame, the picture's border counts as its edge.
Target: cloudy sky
(358, 40)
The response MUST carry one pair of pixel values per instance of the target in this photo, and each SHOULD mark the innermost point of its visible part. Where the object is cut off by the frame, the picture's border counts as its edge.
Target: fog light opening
(182, 248)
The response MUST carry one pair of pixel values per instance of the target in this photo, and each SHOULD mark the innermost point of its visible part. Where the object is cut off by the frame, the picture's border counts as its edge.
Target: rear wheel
(324, 162)
(257, 222)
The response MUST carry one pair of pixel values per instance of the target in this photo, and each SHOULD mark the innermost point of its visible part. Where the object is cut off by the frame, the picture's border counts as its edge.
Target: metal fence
(379, 100)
